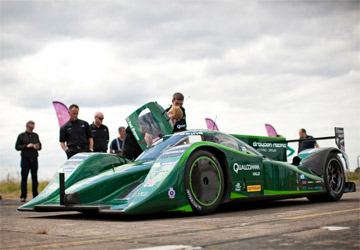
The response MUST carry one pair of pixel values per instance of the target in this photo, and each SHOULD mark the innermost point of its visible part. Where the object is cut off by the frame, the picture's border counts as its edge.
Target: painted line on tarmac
(320, 214)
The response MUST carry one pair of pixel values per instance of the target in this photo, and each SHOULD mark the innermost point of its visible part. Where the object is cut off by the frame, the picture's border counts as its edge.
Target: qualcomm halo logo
(237, 167)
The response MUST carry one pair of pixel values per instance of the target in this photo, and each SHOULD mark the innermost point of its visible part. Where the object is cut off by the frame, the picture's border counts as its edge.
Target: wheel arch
(317, 161)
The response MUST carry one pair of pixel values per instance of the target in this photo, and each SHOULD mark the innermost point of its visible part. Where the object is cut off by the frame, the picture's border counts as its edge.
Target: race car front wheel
(204, 182)
(334, 178)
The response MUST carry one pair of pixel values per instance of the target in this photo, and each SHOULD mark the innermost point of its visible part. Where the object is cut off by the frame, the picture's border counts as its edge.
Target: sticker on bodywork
(254, 188)
(237, 167)
(150, 183)
(171, 193)
(171, 154)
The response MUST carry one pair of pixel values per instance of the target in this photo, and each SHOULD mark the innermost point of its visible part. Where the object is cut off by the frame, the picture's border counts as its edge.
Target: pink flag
(270, 130)
(62, 112)
(211, 124)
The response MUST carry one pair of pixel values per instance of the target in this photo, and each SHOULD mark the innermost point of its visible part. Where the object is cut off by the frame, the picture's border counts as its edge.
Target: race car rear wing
(276, 147)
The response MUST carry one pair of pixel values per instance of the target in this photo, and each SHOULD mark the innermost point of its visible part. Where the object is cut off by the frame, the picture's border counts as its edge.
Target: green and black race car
(192, 171)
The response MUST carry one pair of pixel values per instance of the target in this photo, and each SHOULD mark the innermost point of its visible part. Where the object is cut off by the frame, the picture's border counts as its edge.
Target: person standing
(178, 100)
(29, 144)
(100, 133)
(116, 144)
(306, 144)
(75, 135)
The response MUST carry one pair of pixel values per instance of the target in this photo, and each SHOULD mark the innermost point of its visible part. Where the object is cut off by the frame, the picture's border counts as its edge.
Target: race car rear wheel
(204, 182)
(334, 178)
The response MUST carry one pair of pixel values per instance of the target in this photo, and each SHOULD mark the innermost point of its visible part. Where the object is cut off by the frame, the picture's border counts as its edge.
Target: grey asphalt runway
(286, 224)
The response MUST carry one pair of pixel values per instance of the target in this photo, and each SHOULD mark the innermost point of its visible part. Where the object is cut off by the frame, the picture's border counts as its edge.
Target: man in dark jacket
(306, 144)
(100, 133)
(178, 100)
(29, 144)
(75, 135)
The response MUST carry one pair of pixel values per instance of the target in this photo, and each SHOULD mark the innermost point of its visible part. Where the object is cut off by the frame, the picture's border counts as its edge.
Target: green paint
(275, 192)
(186, 208)
(236, 195)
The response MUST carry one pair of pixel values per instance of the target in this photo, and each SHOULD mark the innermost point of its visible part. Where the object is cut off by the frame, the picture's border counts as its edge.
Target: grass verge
(10, 188)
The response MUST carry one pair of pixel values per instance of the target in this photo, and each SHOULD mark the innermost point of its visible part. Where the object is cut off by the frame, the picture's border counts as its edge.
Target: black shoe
(23, 200)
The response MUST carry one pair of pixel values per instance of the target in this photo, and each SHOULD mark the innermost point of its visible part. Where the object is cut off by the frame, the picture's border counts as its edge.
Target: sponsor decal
(339, 138)
(190, 133)
(302, 177)
(310, 188)
(192, 201)
(256, 173)
(254, 188)
(310, 182)
(319, 188)
(303, 188)
(160, 171)
(133, 129)
(319, 182)
(269, 145)
(167, 163)
(237, 167)
(150, 183)
(304, 182)
(68, 170)
(174, 152)
(238, 187)
(171, 154)
(180, 126)
(171, 193)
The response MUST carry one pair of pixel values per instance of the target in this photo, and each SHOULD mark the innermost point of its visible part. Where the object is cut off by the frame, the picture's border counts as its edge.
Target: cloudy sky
(289, 63)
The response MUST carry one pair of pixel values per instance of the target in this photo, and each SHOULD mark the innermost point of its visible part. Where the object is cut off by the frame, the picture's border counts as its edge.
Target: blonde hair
(177, 112)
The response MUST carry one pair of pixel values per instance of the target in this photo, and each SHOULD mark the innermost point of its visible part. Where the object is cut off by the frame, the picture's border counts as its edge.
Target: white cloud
(289, 63)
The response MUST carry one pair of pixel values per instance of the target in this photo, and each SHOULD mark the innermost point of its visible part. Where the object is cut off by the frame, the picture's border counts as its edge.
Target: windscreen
(168, 142)
(190, 137)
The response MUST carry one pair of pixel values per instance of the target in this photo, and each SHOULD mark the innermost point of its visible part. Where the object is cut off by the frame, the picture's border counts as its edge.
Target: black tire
(204, 182)
(334, 178)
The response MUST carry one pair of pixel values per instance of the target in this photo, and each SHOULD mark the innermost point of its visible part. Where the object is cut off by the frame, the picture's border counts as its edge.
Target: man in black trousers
(29, 144)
